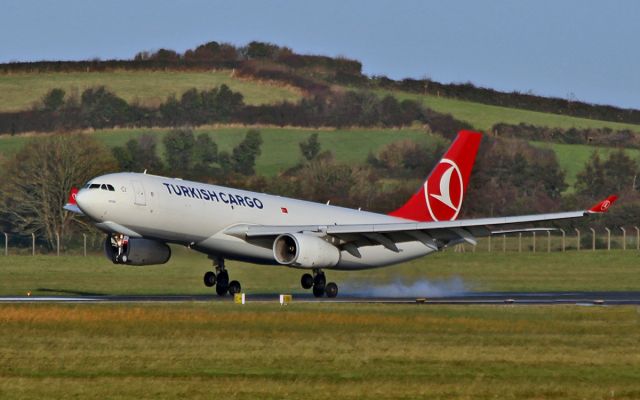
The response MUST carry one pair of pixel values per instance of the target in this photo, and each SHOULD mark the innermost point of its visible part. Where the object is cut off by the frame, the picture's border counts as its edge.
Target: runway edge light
(285, 299)
(238, 298)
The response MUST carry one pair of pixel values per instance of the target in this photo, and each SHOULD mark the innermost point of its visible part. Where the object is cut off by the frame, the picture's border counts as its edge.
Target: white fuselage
(197, 215)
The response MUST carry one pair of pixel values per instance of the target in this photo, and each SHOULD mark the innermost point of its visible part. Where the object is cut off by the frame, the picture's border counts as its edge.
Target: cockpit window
(103, 187)
(111, 188)
(94, 186)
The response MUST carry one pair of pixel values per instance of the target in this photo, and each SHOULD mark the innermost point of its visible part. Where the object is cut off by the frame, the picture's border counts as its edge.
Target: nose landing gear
(319, 284)
(220, 278)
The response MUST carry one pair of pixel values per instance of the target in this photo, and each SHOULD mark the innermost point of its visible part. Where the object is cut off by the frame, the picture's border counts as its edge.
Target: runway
(488, 298)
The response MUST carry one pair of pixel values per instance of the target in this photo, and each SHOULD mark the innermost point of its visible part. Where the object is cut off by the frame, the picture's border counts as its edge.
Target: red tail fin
(72, 196)
(440, 198)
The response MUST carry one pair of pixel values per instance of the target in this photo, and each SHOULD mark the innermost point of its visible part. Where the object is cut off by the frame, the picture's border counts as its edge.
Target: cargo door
(140, 196)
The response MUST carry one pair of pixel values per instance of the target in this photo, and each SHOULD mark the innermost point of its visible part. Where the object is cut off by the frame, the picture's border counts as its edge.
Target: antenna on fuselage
(145, 172)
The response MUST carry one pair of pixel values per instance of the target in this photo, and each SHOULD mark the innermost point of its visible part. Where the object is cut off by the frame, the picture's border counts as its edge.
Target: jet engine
(136, 251)
(305, 251)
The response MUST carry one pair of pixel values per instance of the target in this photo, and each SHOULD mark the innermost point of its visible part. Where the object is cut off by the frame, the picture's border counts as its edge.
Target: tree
(53, 100)
(36, 182)
(178, 150)
(139, 154)
(243, 157)
(310, 148)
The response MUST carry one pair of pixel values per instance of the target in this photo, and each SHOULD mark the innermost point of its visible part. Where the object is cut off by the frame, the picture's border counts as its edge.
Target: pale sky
(582, 48)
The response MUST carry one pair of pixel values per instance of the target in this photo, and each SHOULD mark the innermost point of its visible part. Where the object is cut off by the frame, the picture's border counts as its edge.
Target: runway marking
(487, 298)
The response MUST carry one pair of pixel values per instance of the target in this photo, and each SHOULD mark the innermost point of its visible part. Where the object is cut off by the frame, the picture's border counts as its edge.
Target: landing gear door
(141, 198)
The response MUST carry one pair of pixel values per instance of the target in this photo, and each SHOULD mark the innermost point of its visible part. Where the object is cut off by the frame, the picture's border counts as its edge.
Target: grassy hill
(20, 90)
(572, 157)
(483, 116)
(280, 149)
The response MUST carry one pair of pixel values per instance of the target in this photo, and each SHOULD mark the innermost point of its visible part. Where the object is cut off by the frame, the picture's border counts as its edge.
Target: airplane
(142, 213)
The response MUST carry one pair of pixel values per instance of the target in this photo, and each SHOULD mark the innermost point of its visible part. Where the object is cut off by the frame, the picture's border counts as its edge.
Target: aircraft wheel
(222, 285)
(331, 289)
(318, 291)
(209, 279)
(319, 280)
(221, 289)
(306, 281)
(234, 287)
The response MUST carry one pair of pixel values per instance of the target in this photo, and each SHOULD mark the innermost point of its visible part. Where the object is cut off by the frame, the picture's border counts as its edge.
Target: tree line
(591, 136)
(315, 74)
(510, 176)
(98, 108)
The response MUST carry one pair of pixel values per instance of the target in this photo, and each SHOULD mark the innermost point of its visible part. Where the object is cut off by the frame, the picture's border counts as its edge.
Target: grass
(481, 271)
(315, 351)
(280, 148)
(483, 116)
(312, 351)
(573, 157)
(18, 91)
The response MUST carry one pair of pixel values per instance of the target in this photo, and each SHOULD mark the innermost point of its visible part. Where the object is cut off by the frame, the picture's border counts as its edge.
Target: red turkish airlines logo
(605, 205)
(444, 191)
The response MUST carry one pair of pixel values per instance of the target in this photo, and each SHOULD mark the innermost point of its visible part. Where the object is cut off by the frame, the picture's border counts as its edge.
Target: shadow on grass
(71, 292)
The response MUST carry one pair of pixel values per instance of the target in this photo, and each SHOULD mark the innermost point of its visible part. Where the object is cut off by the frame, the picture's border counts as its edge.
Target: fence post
(84, 243)
(578, 233)
(637, 238)
(33, 244)
(57, 244)
(489, 243)
(534, 241)
(593, 239)
(504, 243)
(520, 242)
(6, 244)
(548, 241)
(608, 238)
(624, 238)
(563, 237)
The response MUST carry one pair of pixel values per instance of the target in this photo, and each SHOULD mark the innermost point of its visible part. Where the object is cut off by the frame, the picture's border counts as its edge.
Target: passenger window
(111, 189)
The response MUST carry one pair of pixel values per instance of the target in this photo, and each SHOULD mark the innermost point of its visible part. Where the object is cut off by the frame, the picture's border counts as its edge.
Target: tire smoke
(399, 288)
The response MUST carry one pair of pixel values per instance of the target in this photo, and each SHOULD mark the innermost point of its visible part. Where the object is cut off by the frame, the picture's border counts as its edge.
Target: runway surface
(519, 298)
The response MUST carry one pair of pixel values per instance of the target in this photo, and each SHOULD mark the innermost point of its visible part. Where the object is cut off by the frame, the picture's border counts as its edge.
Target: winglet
(72, 205)
(604, 205)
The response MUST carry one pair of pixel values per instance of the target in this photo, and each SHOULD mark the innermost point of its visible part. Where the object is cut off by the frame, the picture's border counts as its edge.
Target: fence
(534, 242)
(558, 240)
(73, 244)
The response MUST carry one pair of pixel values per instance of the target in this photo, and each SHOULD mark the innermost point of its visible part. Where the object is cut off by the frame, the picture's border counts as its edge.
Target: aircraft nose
(86, 203)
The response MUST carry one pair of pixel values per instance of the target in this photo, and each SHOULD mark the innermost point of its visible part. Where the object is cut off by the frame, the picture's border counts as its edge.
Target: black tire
(306, 281)
(221, 289)
(331, 289)
(320, 280)
(234, 287)
(209, 279)
(318, 291)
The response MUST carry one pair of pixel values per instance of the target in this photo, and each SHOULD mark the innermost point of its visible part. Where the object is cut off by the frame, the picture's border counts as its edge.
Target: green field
(573, 157)
(319, 350)
(280, 148)
(571, 271)
(483, 116)
(18, 91)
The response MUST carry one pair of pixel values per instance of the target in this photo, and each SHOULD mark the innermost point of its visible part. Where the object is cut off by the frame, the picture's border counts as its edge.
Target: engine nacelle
(305, 251)
(136, 251)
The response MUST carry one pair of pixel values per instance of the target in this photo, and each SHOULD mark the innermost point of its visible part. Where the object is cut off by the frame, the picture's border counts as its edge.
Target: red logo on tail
(444, 191)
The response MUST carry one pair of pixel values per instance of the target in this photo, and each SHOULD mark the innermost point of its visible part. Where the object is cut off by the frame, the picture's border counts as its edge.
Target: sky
(583, 49)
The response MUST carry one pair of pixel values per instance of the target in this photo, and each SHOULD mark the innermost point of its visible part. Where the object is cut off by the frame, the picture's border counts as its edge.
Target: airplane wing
(435, 235)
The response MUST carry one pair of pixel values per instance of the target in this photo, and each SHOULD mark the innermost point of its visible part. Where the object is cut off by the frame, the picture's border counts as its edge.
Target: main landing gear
(318, 282)
(220, 278)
